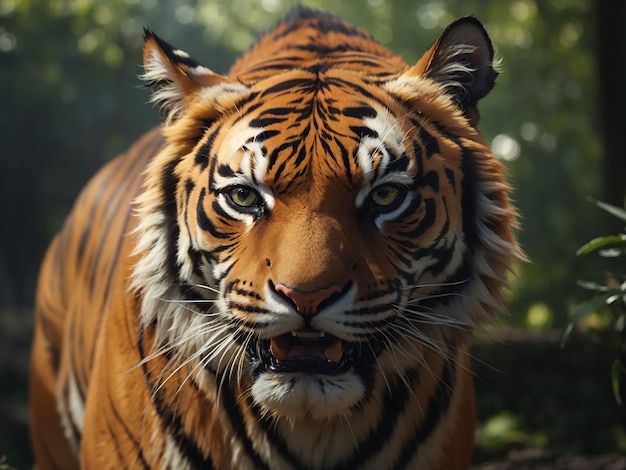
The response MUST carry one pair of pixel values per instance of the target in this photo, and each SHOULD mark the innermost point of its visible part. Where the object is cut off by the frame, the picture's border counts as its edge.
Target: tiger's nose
(307, 303)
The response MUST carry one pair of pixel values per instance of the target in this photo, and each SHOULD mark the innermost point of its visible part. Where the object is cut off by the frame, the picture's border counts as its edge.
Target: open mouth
(309, 350)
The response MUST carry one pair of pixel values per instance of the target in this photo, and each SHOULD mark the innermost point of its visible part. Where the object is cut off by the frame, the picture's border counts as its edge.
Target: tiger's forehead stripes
(334, 129)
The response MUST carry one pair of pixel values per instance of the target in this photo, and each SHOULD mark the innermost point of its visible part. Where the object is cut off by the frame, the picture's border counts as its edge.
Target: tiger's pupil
(244, 196)
(385, 195)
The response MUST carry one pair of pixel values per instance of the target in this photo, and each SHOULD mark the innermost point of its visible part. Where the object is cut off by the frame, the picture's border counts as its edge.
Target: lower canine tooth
(334, 352)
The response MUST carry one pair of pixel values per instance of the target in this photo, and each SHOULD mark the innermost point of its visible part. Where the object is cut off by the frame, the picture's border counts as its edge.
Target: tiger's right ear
(174, 76)
(462, 62)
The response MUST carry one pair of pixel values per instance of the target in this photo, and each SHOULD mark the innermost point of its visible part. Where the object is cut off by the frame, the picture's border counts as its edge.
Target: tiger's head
(315, 226)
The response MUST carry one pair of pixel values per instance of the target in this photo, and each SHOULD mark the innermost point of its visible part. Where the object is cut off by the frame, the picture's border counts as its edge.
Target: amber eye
(385, 195)
(244, 197)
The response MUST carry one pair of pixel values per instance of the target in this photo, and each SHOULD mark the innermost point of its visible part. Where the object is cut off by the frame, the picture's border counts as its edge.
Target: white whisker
(437, 296)
(435, 284)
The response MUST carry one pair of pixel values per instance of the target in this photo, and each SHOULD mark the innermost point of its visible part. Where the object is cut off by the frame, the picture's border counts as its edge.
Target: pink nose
(307, 303)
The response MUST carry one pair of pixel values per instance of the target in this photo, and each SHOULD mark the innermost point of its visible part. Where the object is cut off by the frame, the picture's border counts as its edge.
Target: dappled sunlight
(505, 147)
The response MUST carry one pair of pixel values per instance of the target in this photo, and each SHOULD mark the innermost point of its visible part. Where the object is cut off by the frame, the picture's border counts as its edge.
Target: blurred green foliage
(608, 307)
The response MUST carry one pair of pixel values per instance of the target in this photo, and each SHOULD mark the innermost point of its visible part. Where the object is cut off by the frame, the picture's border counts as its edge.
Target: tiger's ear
(174, 76)
(462, 61)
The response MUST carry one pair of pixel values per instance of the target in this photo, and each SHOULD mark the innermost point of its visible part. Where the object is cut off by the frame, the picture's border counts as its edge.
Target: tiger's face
(324, 230)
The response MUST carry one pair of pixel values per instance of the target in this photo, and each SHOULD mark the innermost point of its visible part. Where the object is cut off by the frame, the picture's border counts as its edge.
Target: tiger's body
(287, 273)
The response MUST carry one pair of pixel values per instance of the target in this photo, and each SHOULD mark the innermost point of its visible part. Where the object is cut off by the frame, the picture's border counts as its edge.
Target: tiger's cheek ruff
(180, 299)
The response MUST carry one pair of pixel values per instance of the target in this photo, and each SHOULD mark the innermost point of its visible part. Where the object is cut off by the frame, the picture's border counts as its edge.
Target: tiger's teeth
(308, 334)
(334, 352)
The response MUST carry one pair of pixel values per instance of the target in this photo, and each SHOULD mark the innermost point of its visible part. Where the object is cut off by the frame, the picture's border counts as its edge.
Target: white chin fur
(295, 396)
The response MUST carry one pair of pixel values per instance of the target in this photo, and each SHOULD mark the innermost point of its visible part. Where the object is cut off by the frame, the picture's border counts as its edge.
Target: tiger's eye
(385, 195)
(244, 196)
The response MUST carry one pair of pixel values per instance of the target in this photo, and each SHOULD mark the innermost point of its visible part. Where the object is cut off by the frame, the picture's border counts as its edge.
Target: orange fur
(170, 328)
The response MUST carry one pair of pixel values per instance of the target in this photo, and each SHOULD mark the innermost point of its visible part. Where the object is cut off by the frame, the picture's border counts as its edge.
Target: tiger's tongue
(282, 351)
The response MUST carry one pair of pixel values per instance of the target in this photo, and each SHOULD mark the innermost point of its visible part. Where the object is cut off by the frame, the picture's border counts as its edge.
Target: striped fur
(288, 272)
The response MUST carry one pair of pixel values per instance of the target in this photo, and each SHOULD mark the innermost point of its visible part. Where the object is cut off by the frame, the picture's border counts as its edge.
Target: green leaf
(617, 369)
(611, 209)
(587, 308)
(593, 286)
(600, 242)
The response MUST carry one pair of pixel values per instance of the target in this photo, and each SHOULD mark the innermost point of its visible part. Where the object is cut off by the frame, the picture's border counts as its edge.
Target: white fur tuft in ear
(462, 61)
(174, 76)
(169, 97)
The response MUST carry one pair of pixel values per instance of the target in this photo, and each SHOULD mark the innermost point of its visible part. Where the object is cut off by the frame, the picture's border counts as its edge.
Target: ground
(540, 459)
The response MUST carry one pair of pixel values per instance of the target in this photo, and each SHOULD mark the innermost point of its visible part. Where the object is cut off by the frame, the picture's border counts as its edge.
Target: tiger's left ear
(174, 76)
(462, 61)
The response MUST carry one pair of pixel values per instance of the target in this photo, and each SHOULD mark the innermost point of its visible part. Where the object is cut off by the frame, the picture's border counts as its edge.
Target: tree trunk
(611, 56)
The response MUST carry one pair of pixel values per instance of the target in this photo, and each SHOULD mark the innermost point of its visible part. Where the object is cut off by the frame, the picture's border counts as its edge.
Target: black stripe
(265, 122)
(359, 90)
(429, 179)
(128, 436)
(468, 199)
(263, 136)
(273, 156)
(247, 309)
(279, 170)
(360, 112)
(437, 407)
(204, 153)
(301, 155)
(288, 85)
(300, 16)
(451, 178)
(426, 139)
(225, 170)
(399, 163)
(407, 261)
(269, 427)
(203, 221)
(345, 158)
(362, 132)
(186, 445)
(280, 111)
(430, 215)
(149, 149)
(237, 422)
(331, 161)
(47, 329)
(394, 405)
(113, 261)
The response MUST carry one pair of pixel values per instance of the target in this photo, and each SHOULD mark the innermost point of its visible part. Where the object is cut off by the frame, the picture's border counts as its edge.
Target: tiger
(288, 272)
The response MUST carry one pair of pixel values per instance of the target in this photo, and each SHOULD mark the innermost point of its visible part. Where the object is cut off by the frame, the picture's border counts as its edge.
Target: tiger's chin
(307, 374)
(305, 396)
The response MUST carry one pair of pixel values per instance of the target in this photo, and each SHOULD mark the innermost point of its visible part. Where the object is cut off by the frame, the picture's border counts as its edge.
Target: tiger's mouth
(309, 351)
